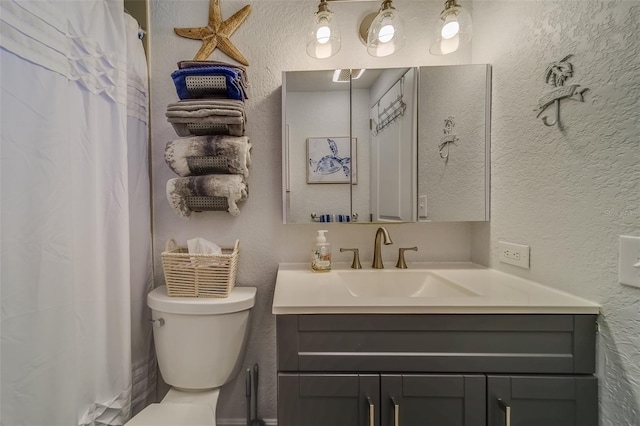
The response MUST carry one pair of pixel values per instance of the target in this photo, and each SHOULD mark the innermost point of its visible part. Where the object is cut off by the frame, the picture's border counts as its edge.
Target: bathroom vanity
(466, 346)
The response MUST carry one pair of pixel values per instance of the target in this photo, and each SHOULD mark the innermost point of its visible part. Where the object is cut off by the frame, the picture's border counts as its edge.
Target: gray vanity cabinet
(436, 370)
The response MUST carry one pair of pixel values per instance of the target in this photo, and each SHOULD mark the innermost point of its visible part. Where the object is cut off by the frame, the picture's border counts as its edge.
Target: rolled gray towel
(235, 151)
(232, 187)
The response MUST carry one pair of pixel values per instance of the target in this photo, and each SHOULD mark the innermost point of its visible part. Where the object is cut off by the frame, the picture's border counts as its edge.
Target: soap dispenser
(321, 253)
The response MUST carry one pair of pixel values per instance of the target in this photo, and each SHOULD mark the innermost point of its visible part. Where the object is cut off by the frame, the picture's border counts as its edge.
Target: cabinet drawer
(437, 343)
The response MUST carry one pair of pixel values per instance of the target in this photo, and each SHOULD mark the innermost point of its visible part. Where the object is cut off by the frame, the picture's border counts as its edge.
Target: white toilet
(199, 345)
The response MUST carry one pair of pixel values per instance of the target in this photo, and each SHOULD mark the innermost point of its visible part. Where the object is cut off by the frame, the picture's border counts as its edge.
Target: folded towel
(232, 187)
(196, 64)
(343, 218)
(331, 217)
(233, 79)
(326, 218)
(209, 119)
(232, 154)
(187, 123)
(208, 103)
(207, 116)
(205, 112)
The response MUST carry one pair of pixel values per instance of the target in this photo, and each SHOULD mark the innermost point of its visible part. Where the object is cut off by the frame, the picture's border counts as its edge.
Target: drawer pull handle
(507, 412)
(372, 412)
(396, 412)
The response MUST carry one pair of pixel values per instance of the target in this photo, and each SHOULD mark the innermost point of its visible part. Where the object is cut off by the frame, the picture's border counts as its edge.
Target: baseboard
(243, 422)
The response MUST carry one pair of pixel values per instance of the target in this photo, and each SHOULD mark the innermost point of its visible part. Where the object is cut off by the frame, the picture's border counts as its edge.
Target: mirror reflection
(386, 145)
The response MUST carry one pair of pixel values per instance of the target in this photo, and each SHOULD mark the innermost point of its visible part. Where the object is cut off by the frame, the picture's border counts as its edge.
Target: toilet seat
(174, 414)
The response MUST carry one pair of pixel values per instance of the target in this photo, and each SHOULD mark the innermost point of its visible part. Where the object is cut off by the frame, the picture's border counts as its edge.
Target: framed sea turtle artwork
(331, 160)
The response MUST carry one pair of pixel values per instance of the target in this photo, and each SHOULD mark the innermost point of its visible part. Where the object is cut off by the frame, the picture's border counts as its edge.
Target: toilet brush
(255, 421)
(248, 396)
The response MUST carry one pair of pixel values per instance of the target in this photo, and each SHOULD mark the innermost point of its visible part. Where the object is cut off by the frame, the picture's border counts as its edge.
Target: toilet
(199, 345)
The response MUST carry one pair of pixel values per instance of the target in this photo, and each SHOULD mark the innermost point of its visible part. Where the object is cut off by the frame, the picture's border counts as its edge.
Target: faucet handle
(356, 257)
(401, 263)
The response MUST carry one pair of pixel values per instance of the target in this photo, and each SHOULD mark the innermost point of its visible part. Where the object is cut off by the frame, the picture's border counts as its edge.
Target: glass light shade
(323, 41)
(452, 30)
(386, 33)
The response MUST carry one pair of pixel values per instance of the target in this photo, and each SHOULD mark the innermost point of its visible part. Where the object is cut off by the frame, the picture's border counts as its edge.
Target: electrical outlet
(514, 254)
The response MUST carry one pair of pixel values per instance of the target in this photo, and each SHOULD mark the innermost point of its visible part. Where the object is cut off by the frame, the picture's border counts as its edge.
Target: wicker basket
(199, 275)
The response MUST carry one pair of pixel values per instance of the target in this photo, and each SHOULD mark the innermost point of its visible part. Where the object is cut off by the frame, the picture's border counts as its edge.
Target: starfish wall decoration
(217, 33)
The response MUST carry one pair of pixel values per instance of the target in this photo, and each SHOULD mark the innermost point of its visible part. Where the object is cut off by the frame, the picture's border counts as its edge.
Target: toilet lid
(239, 299)
(174, 414)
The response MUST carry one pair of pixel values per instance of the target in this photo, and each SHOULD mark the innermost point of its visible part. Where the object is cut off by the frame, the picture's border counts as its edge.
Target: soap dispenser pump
(321, 253)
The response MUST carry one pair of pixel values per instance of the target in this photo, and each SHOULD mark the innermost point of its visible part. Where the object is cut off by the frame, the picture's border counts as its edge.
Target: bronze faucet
(377, 255)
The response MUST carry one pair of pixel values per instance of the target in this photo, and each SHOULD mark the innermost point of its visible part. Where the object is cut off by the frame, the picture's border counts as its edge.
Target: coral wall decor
(555, 75)
(449, 137)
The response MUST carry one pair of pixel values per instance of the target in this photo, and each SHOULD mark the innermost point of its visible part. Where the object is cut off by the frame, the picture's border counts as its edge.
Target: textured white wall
(570, 193)
(272, 39)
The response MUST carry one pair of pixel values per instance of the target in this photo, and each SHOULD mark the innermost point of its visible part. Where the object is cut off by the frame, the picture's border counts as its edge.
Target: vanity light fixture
(323, 41)
(383, 32)
(452, 29)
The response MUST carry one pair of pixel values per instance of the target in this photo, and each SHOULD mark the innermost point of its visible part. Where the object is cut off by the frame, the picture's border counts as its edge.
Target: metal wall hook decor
(391, 112)
(448, 138)
(555, 75)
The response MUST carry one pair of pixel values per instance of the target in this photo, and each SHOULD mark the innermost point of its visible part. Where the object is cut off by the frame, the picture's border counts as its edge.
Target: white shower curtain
(66, 287)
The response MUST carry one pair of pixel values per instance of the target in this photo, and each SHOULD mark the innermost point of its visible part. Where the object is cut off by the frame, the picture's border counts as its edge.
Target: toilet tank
(200, 342)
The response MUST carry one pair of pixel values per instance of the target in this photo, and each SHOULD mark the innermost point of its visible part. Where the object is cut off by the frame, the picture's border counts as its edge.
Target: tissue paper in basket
(199, 275)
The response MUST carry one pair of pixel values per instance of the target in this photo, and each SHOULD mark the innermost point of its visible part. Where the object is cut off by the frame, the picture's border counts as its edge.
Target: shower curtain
(75, 237)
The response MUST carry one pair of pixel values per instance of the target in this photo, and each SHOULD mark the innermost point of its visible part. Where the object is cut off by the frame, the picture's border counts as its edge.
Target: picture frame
(329, 160)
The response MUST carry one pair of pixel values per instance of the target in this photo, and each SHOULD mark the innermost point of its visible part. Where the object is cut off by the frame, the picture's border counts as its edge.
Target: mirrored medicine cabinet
(386, 145)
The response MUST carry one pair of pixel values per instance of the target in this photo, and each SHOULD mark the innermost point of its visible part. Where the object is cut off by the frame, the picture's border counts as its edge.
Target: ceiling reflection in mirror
(401, 164)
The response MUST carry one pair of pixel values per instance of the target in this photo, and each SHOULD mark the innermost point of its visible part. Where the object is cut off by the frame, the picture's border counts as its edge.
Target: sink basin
(423, 288)
(400, 283)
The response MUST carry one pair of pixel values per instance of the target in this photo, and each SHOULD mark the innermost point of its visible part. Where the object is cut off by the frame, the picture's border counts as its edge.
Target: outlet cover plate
(422, 207)
(628, 258)
(513, 254)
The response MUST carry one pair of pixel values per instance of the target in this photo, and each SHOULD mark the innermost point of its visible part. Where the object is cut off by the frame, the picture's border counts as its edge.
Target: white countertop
(301, 291)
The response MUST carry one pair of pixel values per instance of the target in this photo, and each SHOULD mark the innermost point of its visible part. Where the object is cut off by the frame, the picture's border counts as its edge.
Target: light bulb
(450, 29)
(386, 33)
(323, 39)
(323, 34)
(450, 45)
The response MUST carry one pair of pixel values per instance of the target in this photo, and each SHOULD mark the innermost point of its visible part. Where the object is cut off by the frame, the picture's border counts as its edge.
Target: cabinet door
(433, 400)
(328, 400)
(542, 400)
